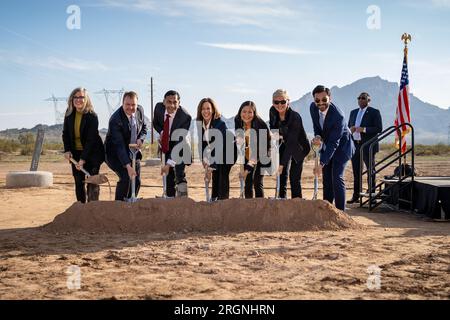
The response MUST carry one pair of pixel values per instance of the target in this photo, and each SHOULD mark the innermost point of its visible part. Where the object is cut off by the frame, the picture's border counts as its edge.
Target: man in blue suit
(126, 126)
(331, 128)
(364, 123)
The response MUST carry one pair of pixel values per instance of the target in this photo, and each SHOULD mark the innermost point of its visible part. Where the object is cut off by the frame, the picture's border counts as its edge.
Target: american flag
(403, 114)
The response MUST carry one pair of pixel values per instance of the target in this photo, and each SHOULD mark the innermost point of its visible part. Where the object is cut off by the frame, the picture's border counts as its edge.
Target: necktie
(133, 130)
(359, 116)
(321, 119)
(165, 135)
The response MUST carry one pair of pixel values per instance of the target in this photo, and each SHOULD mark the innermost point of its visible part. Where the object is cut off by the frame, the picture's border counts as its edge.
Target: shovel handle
(82, 169)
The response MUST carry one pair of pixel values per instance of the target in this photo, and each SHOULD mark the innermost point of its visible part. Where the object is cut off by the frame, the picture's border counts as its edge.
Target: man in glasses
(293, 142)
(331, 129)
(365, 123)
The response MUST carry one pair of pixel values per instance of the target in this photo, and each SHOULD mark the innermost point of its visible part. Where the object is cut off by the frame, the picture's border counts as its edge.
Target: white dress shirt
(359, 117)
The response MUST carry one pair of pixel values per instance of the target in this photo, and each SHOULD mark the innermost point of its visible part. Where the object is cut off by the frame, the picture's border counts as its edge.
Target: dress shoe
(353, 200)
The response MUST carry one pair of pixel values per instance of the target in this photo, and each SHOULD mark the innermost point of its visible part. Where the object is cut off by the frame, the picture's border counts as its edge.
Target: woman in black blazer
(293, 142)
(256, 157)
(82, 142)
(216, 158)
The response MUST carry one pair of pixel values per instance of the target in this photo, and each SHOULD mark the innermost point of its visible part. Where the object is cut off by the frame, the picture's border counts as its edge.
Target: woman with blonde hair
(82, 142)
(217, 161)
(293, 143)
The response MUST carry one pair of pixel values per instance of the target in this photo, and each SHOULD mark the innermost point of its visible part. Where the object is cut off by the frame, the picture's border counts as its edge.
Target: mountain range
(431, 123)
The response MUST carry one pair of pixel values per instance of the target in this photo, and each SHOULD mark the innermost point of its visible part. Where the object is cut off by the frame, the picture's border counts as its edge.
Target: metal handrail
(372, 166)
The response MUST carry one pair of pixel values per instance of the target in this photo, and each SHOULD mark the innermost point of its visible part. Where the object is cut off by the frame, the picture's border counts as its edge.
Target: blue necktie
(133, 130)
(321, 119)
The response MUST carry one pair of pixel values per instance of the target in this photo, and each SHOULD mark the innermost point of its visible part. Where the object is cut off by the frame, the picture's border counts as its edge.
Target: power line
(113, 98)
(59, 116)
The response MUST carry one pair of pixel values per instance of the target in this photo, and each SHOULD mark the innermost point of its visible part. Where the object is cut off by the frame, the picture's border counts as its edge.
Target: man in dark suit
(337, 148)
(365, 123)
(126, 126)
(168, 118)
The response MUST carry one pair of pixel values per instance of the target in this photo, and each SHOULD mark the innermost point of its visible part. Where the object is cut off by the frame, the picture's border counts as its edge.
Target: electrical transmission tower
(113, 99)
(59, 116)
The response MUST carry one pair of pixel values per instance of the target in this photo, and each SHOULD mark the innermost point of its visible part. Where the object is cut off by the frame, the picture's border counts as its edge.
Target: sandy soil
(412, 253)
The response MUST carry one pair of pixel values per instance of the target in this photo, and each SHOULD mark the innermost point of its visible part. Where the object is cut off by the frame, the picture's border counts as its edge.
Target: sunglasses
(362, 98)
(324, 100)
(78, 98)
(280, 102)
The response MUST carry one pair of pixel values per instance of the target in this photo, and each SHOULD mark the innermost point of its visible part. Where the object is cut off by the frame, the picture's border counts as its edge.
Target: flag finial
(406, 38)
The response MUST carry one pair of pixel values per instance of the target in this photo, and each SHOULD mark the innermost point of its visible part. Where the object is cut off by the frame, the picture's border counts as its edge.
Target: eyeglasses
(324, 100)
(280, 102)
(79, 98)
(362, 98)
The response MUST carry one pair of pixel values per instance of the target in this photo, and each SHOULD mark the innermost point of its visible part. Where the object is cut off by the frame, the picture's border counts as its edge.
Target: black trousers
(221, 182)
(356, 165)
(93, 191)
(176, 176)
(255, 181)
(123, 188)
(295, 176)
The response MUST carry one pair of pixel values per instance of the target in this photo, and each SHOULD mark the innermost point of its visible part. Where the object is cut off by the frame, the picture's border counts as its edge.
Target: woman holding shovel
(293, 142)
(253, 135)
(82, 143)
(215, 148)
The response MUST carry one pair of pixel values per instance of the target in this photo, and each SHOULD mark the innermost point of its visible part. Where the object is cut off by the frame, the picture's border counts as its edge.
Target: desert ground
(411, 252)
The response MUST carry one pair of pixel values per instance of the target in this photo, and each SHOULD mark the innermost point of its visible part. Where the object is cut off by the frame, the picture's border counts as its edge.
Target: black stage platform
(431, 196)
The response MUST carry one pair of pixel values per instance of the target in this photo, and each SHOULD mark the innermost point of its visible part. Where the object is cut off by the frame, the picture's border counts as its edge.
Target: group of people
(251, 146)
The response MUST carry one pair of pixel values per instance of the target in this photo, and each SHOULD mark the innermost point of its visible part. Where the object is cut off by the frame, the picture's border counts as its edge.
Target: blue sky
(231, 51)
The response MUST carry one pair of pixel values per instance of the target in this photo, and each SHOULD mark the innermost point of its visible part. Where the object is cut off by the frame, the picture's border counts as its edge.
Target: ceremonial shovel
(97, 179)
(133, 198)
(316, 149)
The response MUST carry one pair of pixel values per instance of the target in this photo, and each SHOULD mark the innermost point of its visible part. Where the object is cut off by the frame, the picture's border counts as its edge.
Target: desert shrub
(58, 146)
(26, 143)
(8, 145)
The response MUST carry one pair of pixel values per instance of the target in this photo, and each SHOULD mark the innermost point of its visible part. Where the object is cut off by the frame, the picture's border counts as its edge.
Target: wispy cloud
(231, 12)
(240, 88)
(70, 64)
(16, 114)
(426, 5)
(441, 3)
(258, 48)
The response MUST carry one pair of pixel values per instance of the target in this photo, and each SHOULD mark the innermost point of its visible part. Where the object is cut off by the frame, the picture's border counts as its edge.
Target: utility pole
(152, 161)
(151, 112)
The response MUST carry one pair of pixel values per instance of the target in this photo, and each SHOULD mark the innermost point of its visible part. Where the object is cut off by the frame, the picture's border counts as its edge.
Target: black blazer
(227, 136)
(371, 120)
(296, 144)
(93, 151)
(257, 124)
(182, 120)
(119, 136)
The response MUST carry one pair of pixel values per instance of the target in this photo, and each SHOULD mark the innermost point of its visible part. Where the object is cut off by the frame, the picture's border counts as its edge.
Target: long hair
(215, 109)
(239, 123)
(88, 107)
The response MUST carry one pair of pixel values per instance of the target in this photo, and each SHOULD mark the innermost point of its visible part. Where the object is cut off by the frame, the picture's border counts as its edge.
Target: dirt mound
(235, 215)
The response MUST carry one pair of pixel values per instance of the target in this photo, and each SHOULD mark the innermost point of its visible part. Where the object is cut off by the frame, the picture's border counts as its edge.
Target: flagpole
(406, 38)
